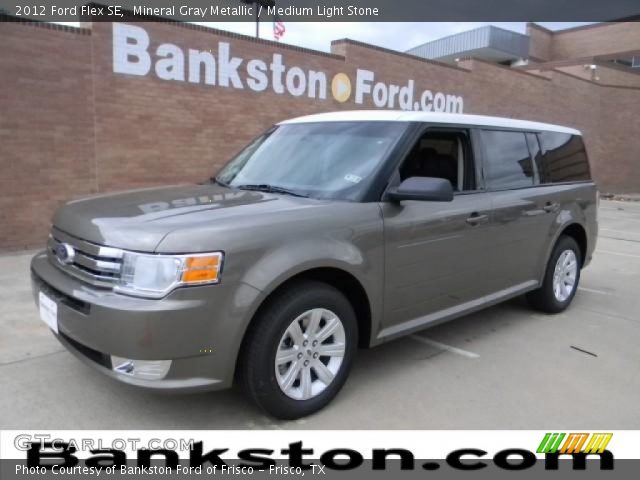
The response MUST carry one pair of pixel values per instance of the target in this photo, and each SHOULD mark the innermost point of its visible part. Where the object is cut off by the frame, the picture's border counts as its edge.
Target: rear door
(520, 220)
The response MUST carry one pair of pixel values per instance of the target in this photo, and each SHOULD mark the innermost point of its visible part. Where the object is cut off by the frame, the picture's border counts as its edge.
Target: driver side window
(441, 154)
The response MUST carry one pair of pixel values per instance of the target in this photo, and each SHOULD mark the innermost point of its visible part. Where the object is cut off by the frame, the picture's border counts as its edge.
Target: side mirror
(423, 188)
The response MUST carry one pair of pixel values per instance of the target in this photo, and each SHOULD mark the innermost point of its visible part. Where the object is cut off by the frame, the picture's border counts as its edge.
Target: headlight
(155, 276)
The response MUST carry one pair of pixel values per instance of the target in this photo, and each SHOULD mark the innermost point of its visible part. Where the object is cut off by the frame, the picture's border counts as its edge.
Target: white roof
(429, 117)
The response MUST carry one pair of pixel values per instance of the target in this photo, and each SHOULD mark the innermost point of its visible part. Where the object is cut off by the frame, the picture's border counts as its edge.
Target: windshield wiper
(265, 187)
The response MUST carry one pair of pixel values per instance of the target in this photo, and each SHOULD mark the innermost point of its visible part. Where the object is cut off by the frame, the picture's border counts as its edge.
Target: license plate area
(48, 311)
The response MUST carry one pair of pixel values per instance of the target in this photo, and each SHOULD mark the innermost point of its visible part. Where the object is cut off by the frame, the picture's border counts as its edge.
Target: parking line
(617, 253)
(593, 290)
(615, 230)
(444, 346)
(606, 217)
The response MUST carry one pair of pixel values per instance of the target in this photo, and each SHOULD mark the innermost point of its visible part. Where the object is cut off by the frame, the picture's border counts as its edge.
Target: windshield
(321, 160)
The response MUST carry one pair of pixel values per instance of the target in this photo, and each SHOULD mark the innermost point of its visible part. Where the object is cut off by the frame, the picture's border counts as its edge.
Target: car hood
(140, 219)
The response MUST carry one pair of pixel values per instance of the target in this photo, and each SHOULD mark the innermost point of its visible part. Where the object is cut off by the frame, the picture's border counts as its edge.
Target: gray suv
(326, 233)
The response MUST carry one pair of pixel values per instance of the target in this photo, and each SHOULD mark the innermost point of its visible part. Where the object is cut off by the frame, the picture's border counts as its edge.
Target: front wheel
(299, 352)
(561, 278)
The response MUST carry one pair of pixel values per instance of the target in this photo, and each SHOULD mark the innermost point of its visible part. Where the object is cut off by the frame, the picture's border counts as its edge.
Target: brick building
(114, 106)
(608, 45)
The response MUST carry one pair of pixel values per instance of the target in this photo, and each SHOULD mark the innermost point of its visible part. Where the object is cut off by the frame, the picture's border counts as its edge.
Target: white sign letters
(219, 67)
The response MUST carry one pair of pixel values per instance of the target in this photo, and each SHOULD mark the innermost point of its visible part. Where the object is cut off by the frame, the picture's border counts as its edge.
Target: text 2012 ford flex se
(326, 233)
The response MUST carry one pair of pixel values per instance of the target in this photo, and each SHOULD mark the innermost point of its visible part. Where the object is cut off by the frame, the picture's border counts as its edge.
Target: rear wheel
(561, 278)
(299, 352)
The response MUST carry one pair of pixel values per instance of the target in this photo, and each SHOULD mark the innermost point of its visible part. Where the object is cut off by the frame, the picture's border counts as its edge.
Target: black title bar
(325, 11)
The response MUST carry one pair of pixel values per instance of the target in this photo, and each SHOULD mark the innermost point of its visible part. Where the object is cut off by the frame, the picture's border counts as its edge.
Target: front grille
(95, 264)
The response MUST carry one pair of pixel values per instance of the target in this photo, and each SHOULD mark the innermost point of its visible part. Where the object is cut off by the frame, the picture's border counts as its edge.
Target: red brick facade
(596, 40)
(71, 126)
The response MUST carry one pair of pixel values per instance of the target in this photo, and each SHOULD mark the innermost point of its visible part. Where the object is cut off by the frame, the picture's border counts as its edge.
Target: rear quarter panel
(578, 204)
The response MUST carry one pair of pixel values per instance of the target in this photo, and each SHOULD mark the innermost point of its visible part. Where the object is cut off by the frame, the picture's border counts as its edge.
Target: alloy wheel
(564, 275)
(310, 354)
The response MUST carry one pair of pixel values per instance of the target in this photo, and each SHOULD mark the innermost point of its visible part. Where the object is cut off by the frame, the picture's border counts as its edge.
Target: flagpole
(257, 21)
(257, 4)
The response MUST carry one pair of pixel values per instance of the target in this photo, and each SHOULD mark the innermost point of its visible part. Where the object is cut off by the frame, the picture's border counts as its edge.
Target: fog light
(142, 369)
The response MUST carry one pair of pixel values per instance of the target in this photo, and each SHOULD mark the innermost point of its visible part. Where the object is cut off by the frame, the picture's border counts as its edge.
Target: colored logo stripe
(550, 443)
(574, 443)
(598, 442)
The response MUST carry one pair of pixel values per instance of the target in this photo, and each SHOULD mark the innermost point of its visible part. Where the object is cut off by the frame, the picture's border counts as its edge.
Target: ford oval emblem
(65, 253)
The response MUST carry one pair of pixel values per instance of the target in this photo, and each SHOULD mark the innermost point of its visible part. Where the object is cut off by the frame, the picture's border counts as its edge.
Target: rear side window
(564, 158)
(507, 160)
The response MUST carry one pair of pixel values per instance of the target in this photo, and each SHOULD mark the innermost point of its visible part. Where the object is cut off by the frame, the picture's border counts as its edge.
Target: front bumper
(199, 329)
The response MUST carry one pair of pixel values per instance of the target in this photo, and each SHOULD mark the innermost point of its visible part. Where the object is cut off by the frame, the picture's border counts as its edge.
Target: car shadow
(78, 397)
(230, 409)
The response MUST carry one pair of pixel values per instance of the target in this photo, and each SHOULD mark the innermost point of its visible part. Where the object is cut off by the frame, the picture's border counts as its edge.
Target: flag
(278, 27)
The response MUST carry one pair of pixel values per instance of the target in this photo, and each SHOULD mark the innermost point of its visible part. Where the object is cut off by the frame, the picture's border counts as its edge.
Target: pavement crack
(606, 314)
(619, 238)
(584, 351)
(26, 359)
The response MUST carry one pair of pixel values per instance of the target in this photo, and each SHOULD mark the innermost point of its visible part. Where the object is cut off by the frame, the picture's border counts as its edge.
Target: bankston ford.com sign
(132, 56)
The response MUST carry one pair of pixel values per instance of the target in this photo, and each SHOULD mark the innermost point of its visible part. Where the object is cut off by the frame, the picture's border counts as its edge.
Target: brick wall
(540, 41)
(602, 39)
(46, 127)
(619, 149)
(70, 126)
(603, 74)
(596, 40)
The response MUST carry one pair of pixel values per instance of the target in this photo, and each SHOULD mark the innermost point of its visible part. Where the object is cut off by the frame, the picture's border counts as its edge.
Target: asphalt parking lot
(503, 368)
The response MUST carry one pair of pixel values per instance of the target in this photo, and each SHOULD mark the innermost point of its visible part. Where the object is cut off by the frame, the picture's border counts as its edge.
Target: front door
(436, 253)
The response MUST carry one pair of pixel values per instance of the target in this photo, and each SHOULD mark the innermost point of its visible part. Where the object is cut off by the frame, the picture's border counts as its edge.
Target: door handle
(476, 219)
(551, 207)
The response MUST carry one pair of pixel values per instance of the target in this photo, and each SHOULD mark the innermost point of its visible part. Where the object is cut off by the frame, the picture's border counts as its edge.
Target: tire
(551, 297)
(270, 386)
